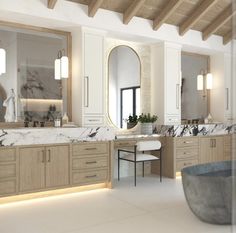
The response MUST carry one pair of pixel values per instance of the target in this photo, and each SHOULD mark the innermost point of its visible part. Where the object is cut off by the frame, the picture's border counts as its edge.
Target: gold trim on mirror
(108, 77)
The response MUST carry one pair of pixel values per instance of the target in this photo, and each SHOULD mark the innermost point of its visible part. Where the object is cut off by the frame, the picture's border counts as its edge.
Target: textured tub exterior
(209, 197)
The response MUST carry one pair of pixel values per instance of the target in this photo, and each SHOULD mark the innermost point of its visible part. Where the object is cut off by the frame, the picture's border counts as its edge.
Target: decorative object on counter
(42, 123)
(131, 121)
(65, 119)
(9, 103)
(57, 122)
(208, 191)
(147, 121)
(35, 123)
(195, 130)
(26, 123)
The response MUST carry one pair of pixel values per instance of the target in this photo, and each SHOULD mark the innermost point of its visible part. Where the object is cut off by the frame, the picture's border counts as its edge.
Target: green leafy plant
(147, 118)
(132, 119)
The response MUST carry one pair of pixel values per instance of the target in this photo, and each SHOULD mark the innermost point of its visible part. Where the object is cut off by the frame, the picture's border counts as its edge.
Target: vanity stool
(139, 155)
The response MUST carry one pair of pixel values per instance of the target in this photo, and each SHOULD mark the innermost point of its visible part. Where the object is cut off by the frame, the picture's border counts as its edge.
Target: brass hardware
(91, 162)
(49, 156)
(43, 156)
(92, 176)
(92, 148)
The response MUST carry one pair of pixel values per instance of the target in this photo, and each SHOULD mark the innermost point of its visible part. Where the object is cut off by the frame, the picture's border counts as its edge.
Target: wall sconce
(61, 66)
(204, 82)
(2, 61)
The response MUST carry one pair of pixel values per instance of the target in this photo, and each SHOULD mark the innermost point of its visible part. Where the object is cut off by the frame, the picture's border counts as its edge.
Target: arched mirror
(124, 69)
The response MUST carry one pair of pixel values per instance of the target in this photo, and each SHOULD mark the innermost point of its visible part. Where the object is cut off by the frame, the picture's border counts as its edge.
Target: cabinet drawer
(93, 120)
(7, 155)
(185, 163)
(85, 163)
(186, 142)
(89, 177)
(120, 144)
(90, 149)
(7, 187)
(7, 170)
(186, 152)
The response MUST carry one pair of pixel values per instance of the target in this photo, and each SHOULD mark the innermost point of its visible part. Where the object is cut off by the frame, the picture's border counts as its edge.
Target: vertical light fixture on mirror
(204, 82)
(61, 66)
(2, 61)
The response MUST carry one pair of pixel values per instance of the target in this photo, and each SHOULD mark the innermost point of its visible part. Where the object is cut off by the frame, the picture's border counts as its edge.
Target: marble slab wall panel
(33, 136)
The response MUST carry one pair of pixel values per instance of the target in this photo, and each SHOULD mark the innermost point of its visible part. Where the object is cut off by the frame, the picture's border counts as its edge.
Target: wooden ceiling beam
(218, 22)
(132, 10)
(168, 10)
(229, 36)
(51, 3)
(93, 7)
(197, 13)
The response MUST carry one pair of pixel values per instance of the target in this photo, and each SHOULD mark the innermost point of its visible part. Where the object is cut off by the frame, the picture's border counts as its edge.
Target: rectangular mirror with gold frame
(29, 88)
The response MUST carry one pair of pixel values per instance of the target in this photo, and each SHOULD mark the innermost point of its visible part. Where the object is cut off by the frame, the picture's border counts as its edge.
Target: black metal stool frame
(135, 162)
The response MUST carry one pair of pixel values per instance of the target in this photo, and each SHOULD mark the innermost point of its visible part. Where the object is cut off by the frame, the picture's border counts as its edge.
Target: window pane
(127, 105)
(137, 104)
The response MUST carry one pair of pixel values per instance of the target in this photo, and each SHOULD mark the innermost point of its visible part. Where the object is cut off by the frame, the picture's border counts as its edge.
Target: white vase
(146, 128)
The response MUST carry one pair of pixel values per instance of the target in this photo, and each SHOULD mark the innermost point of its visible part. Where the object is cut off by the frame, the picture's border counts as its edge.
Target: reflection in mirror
(28, 89)
(124, 85)
(194, 102)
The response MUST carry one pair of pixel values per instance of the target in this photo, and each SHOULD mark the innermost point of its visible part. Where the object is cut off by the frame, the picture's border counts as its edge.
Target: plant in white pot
(131, 121)
(147, 121)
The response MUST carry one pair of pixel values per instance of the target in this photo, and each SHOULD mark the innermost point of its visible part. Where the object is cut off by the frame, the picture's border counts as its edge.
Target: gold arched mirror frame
(68, 37)
(135, 89)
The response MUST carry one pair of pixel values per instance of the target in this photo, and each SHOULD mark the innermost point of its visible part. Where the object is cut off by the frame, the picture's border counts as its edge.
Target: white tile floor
(151, 207)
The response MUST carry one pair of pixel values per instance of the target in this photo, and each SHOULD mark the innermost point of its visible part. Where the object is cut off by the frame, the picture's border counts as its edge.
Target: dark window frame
(134, 88)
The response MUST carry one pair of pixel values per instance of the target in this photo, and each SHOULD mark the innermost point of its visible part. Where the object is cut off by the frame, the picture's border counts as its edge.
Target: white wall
(193, 104)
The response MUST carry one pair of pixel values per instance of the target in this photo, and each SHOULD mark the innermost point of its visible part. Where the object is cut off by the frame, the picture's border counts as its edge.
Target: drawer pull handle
(91, 120)
(92, 148)
(91, 162)
(185, 164)
(92, 176)
(187, 142)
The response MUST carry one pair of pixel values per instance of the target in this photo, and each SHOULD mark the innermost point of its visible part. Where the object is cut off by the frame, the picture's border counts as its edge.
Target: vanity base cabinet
(43, 167)
(90, 163)
(8, 171)
(211, 149)
(32, 168)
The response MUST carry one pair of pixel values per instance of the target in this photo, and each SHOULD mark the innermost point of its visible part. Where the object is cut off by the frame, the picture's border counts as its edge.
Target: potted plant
(147, 121)
(131, 121)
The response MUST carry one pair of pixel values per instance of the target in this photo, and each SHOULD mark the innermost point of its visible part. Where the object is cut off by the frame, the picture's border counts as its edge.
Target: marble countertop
(135, 136)
(34, 136)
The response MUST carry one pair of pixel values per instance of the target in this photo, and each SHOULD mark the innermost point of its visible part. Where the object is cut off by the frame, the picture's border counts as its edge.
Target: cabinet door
(218, 149)
(93, 74)
(172, 85)
(205, 150)
(32, 168)
(57, 166)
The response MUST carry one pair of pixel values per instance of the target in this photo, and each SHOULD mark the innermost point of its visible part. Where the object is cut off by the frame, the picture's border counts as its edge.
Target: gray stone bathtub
(208, 191)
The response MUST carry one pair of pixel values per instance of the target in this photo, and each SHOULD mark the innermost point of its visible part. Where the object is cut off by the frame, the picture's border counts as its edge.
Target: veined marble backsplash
(31, 136)
(194, 130)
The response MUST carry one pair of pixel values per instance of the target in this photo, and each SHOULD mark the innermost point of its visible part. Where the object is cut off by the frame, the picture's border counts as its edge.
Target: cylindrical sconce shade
(2, 61)
(200, 82)
(64, 67)
(57, 69)
(209, 81)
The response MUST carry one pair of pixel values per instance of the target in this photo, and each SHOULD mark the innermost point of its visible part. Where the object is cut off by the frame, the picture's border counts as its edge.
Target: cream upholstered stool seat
(139, 155)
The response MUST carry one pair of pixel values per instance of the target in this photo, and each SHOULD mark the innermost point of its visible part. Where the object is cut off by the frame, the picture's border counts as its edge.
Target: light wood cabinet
(211, 149)
(90, 163)
(43, 167)
(57, 166)
(8, 171)
(32, 168)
